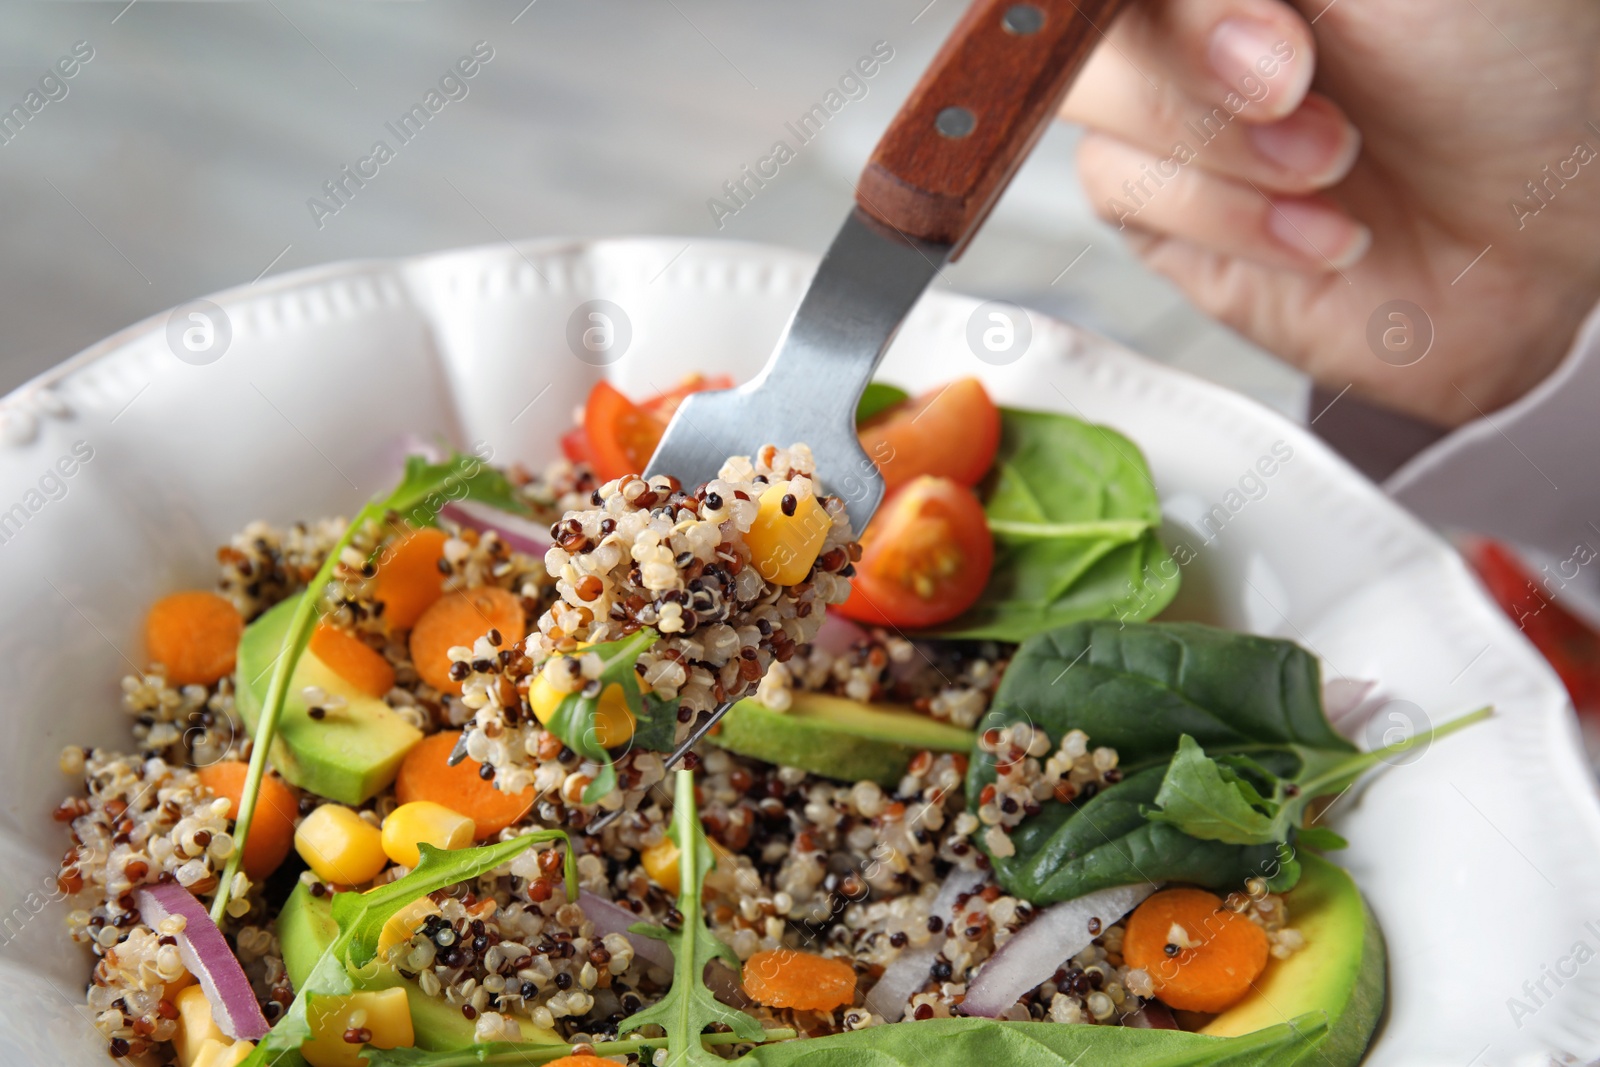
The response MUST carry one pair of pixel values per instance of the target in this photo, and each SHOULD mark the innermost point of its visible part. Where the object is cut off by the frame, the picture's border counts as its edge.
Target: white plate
(1482, 859)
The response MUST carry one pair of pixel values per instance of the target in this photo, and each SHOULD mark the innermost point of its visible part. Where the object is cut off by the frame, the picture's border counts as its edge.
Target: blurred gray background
(181, 158)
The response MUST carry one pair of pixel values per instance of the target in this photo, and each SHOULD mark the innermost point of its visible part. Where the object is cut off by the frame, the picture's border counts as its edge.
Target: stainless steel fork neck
(866, 284)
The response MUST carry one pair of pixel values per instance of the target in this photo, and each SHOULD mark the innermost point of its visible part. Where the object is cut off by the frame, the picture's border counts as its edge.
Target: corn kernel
(613, 721)
(196, 1027)
(661, 864)
(385, 1014)
(424, 822)
(544, 698)
(339, 846)
(403, 924)
(784, 546)
(224, 1053)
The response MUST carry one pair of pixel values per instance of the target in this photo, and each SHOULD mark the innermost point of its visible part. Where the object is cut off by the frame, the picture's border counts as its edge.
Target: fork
(944, 160)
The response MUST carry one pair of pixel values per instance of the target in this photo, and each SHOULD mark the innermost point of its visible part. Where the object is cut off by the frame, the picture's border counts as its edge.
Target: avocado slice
(1341, 971)
(348, 756)
(836, 737)
(306, 929)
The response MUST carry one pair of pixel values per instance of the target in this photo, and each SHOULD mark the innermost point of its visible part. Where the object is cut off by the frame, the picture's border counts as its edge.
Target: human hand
(1224, 140)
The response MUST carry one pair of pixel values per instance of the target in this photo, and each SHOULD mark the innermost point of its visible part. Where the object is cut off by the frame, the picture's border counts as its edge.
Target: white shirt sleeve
(1528, 473)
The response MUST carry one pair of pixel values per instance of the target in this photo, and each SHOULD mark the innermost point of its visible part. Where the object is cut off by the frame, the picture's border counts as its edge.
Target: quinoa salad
(399, 788)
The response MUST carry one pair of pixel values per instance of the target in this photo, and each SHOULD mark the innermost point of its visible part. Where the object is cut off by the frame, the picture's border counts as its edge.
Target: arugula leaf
(1208, 799)
(1073, 512)
(988, 1041)
(574, 718)
(878, 397)
(423, 493)
(689, 1007)
(350, 958)
(424, 490)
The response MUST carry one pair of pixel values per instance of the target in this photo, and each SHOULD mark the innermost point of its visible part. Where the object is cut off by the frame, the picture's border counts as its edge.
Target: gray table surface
(181, 159)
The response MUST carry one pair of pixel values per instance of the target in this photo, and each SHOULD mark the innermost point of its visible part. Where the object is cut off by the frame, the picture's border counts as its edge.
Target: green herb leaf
(574, 718)
(426, 488)
(348, 960)
(1208, 800)
(689, 1007)
(987, 1041)
(423, 492)
(878, 397)
(657, 724)
(1073, 512)
(1320, 838)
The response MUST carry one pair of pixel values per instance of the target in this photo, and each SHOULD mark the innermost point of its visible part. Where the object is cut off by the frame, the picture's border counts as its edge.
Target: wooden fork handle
(972, 119)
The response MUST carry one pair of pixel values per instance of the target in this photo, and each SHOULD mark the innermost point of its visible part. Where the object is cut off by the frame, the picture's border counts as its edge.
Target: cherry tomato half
(618, 437)
(952, 431)
(924, 560)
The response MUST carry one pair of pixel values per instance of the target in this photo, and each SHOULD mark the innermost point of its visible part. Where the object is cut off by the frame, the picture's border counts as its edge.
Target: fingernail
(1318, 232)
(1315, 142)
(1254, 60)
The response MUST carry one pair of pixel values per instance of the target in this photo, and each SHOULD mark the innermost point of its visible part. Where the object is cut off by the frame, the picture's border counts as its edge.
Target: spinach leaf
(350, 958)
(573, 720)
(1073, 512)
(1068, 850)
(424, 490)
(987, 1041)
(689, 1007)
(878, 397)
(1164, 695)
(1139, 688)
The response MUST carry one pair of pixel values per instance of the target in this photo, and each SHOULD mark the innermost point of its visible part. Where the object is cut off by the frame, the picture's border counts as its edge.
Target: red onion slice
(611, 918)
(1035, 952)
(1349, 704)
(909, 971)
(411, 444)
(518, 533)
(1153, 1016)
(838, 635)
(206, 954)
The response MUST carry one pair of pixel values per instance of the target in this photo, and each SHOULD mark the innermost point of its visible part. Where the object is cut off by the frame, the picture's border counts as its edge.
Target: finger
(1312, 148)
(1255, 57)
(1135, 189)
(1245, 296)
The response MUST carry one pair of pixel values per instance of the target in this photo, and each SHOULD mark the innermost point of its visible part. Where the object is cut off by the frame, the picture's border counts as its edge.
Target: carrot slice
(425, 774)
(1200, 956)
(272, 826)
(194, 635)
(574, 1061)
(408, 579)
(352, 659)
(784, 978)
(460, 618)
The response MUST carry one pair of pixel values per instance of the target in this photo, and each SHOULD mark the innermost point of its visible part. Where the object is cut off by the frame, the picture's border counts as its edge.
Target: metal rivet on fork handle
(955, 122)
(1022, 19)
